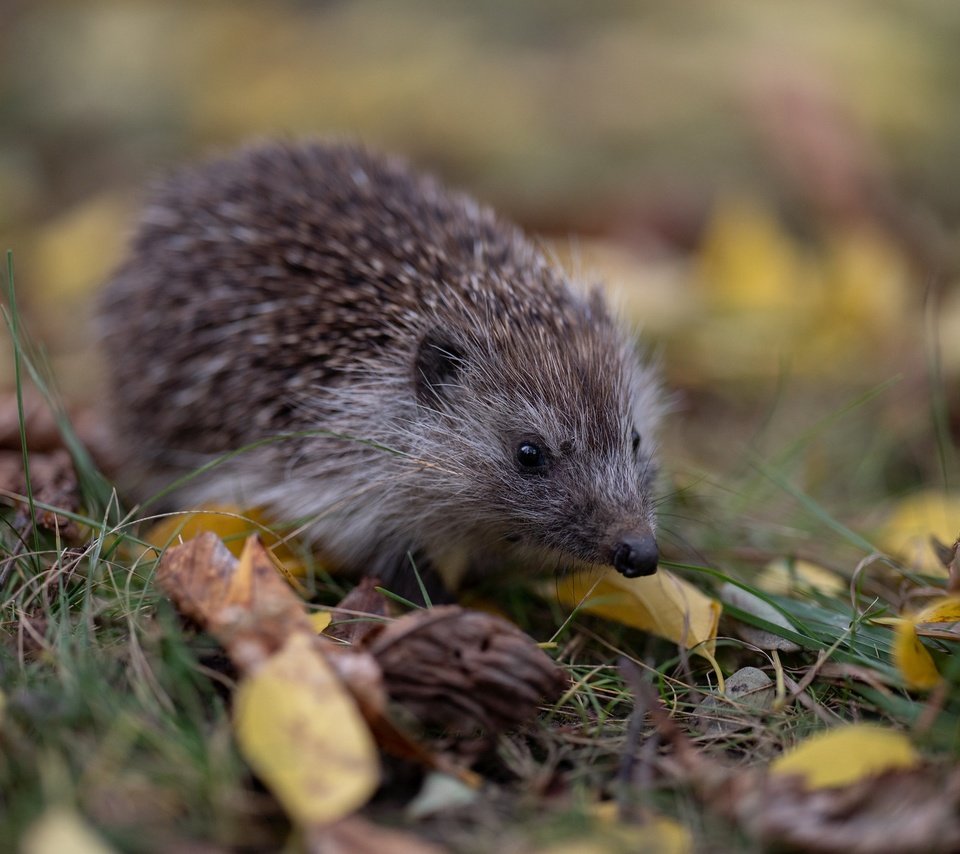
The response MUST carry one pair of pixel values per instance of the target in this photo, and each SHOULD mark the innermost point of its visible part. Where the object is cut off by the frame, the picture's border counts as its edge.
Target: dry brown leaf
(302, 729)
(246, 604)
(233, 524)
(913, 809)
(897, 811)
(360, 612)
(253, 613)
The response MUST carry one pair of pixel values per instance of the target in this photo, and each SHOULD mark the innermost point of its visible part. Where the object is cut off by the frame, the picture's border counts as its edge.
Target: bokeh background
(770, 189)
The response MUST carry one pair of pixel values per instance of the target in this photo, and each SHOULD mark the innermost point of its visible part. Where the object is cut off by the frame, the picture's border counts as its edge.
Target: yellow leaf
(233, 525)
(657, 835)
(748, 262)
(77, 250)
(320, 620)
(914, 519)
(846, 754)
(912, 658)
(783, 577)
(63, 831)
(866, 283)
(304, 736)
(661, 603)
(944, 610)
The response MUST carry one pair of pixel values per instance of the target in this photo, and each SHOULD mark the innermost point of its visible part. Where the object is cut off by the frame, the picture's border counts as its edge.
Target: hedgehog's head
(541, 424)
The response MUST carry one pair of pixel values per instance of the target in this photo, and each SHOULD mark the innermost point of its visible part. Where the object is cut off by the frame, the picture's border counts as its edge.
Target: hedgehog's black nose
(636, 555)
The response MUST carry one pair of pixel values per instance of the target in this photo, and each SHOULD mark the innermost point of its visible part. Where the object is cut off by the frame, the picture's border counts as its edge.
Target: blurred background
(770, 189)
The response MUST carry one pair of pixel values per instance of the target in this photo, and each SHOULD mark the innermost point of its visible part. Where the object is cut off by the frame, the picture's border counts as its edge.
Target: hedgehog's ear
(437, 369)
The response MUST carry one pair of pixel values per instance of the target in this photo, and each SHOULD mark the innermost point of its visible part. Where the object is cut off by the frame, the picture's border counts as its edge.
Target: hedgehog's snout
(635, 555)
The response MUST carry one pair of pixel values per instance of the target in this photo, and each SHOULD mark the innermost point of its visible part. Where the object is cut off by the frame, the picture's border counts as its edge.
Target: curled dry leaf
(233, 524)
(360, 612)
(296, 722)
(246, 604)
(908, 807)
(464, 670)
(446, 665)
(915, 810)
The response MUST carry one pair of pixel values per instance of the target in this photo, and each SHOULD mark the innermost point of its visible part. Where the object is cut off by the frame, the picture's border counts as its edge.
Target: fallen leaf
(784, 577)
(866, 286)
(77, 250)
(320, 620)
(845, 755)
(246, 604)
(912, 808)
(303, 734)
(657, 835)
(939, 619)
(60, 830)
(662, 604)
(253, 612)
(360, 612)
(942, 610)
(233, 525)
(913, 521)
(912, 659)
(748, 262)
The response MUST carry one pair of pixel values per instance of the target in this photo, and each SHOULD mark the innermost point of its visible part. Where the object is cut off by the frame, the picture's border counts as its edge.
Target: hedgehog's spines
(321, 287)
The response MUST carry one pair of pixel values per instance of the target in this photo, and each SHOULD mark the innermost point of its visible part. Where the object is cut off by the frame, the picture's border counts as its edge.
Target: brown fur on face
(321, 288)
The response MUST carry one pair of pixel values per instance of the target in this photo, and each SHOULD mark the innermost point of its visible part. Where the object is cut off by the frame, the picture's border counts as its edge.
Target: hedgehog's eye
(531, 457)
(635, 442)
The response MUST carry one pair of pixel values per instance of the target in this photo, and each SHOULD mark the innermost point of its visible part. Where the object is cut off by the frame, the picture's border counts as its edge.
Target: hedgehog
(321, 331)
